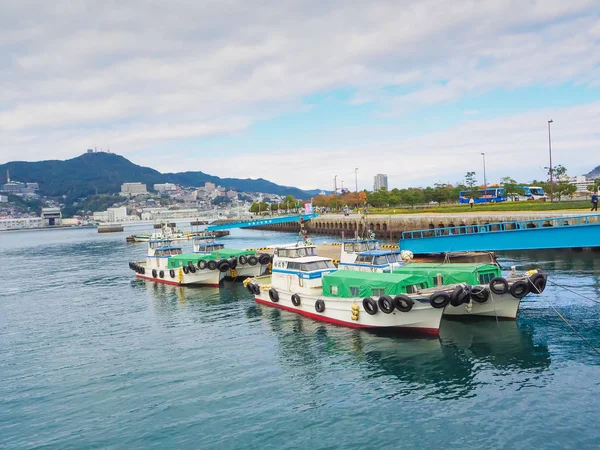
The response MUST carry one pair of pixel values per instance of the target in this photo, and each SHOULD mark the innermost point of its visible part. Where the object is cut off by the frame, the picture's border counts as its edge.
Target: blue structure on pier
(260, 222)
(534, 234)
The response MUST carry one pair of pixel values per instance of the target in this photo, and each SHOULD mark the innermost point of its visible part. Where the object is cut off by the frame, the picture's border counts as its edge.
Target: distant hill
(593, 173)
(103, 173)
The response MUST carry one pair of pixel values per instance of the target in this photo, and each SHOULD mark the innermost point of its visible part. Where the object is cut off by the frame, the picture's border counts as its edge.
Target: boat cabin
(365, 255)
(206, 244)
(299, 268)
(354, 284)
(162, 248)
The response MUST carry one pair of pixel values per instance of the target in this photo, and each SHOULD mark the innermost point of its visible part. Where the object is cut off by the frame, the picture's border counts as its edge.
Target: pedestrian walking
(594, 202)
(471, 202)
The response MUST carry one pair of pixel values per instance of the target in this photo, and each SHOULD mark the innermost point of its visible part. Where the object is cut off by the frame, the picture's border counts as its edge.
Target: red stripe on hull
(174, 283)
(434, 331)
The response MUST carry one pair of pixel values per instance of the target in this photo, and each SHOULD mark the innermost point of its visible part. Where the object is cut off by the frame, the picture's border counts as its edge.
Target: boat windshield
(168, 252)
(394, 257)
(372, 245)
(296, 252)
(380, 260)
(311, 266)
(364, 259)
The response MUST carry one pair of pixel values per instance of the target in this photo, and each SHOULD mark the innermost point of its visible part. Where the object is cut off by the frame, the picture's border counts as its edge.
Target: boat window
(485, 278)
(362, 247)
(364, 259)
(293, 266)
(372, 245)
(380, 260)
(415, 287)
(349, 247)
(435, 281)
(378, 292)
(354, 291)
(333, 290)
(304, 267)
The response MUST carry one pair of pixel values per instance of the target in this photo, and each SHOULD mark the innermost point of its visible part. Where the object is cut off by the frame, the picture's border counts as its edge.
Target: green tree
(471, 183)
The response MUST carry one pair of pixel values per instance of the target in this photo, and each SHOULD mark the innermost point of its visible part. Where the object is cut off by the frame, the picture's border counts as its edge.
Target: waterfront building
(133, 189)
(117, 214)
(582, 183)
(100, 216)
(51, 216)
(3, 198)
(165, 187)
(381, 181)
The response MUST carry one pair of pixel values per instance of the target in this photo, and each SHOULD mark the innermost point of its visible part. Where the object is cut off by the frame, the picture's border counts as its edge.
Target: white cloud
(142, 76)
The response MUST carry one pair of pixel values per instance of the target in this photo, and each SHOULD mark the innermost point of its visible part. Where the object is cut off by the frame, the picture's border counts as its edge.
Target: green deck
(350, 283)
(192, 258)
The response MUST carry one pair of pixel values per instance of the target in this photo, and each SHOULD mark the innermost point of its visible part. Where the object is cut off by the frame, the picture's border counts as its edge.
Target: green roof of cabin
(391, 283)
(231, 252)
(452, 273)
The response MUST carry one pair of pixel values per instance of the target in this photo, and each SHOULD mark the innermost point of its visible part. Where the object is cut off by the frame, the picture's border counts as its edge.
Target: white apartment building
(381, 181)
(132, 189)
(165, 187)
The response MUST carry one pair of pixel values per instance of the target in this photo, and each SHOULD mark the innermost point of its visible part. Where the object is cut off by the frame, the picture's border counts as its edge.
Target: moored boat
(310, 285)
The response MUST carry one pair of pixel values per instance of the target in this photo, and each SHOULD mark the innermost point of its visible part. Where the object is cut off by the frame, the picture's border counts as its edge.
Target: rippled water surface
(92, 358)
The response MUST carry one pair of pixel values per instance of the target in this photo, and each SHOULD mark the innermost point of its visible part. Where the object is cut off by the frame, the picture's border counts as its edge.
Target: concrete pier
(392, 226)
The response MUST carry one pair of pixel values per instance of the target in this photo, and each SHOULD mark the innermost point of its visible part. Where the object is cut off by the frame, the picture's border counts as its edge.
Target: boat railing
(514, 225)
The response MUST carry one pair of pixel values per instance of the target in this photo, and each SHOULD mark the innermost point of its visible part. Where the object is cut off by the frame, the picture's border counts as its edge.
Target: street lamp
(484, 177)
(356, 179)
(335, 190)
(550, 169)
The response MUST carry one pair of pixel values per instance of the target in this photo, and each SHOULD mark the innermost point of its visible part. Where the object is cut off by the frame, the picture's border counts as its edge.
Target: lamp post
(335, 190)
(484, 177)
(550, 169)
(356, 179)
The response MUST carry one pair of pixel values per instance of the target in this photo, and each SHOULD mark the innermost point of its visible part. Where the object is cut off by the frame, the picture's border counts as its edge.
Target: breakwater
(392, 226)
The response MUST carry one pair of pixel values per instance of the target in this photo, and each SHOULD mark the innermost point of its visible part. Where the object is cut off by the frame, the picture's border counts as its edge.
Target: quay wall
(392, 226)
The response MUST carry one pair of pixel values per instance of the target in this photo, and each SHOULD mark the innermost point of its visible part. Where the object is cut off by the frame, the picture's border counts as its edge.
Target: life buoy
(201, 264)
(403, 303)
(319, 306)
(480, 294)
(154, 273)
(273, 295)
(192, 268)
(161, 274)
(232, 262)
(172, 273)
(370, 306)
(186, 269)
(223, 265)
(212, 264)
(386, 304)
(264, 259)
(439, 300)
(295, 300)
(461, 294)
(243, 259)
(519, 289)
(255, 289)
(538, 283)
(252, 260)
(499, 286)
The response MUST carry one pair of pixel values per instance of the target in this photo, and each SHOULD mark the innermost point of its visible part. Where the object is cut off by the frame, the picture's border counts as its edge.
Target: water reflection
(445, 367)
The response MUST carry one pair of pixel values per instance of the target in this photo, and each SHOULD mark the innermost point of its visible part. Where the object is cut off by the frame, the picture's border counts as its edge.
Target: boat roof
(167, 248)
(291, 245)
(349, 241)
(378, 252)
(355, 275)
(347, 281)
(447, 267)
(306, 259)
(231, 252)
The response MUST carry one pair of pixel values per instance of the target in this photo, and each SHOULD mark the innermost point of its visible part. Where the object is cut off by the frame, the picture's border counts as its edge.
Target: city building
(133, 189)
(165, 187)
(3, 198)
(51, 216)
(582, 183)
(118, 214)
(100, 216)
(209, 186)
(381, 181)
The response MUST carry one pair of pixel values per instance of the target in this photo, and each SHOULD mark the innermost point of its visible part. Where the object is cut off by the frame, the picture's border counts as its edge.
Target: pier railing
(513, 225)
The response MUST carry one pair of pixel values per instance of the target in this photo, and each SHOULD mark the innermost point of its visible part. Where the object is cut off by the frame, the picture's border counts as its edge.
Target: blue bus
(489, 195)
(495, 195)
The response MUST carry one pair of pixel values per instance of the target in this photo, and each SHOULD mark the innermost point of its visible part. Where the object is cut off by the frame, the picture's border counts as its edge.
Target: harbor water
(90, 357)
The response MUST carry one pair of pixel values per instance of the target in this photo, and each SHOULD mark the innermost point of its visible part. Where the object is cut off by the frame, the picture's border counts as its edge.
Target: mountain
(594, 173)
(103, 173)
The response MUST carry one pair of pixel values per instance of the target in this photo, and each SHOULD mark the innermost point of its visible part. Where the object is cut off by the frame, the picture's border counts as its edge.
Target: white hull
(422, 318)
(247, 270)
(503, 306)
(204, 277)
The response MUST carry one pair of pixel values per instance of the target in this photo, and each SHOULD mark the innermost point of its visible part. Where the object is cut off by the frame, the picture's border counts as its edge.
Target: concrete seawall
(392, 226)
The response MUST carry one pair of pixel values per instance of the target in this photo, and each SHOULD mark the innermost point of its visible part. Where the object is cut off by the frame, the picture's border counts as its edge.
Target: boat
(478, 289)
(310, 285)
(366, 255)
(242, 263)
(166, 263)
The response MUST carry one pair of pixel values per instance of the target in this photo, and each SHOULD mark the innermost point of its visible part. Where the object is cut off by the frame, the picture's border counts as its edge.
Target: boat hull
(247, 270)
(423, 318)
(204, 277)
(503, 306)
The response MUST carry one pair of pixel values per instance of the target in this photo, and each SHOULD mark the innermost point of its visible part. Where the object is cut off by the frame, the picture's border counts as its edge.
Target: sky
(302, 92)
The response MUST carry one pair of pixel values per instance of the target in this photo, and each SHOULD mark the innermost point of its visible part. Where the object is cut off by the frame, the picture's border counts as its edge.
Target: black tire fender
(273, 295)
(255, 289)
(243, 259)
(186, 269)
(172, 273)
(499, 286)
(212, 264)
(439, 300)
(161, 274)
(201, 264)
(386, 304)
(264, 259)
(519, 289)
(154, 273)
(460, 295)
(252, 260)
(537, 283)
(320, 306)
(223, 265)
(403, 303)
(192, 268)
(480, 294)
(296, 300)
(233, 262)
(370, 306)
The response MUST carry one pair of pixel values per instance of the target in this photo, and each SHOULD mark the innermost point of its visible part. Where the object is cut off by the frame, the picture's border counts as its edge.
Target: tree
(511, 188)
(471, 183)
